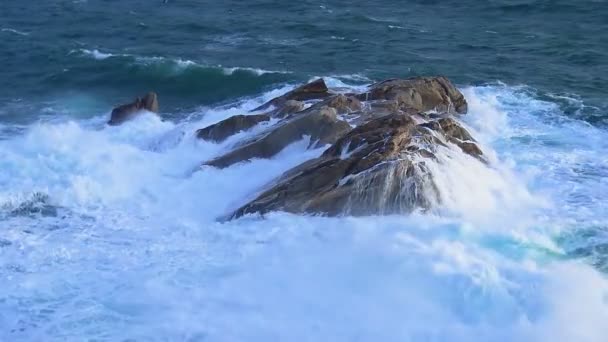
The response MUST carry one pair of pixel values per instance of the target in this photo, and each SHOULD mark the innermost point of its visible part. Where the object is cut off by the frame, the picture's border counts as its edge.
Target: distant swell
(177, 62)
(189, 82)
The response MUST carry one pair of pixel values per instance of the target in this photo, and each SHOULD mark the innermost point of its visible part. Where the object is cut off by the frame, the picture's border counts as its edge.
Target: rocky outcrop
(222, 130)
(382, 166)
(377, 168)
(420, 93)
(314, 90)
(128, 111)
(321, 125)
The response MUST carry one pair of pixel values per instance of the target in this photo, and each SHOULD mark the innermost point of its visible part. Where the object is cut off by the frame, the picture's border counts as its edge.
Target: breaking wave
(132, 249)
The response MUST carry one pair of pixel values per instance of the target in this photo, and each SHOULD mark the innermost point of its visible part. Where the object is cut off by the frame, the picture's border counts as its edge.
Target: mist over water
(111, 233)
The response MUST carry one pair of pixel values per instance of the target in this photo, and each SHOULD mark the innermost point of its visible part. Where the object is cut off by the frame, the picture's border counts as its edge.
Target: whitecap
(17, 32)
(96, 54)
(255, 71)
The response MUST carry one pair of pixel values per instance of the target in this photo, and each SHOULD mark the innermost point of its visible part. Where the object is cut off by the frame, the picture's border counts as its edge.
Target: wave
(17, 32)
(144, 257)
(179, 82)
(180, 63)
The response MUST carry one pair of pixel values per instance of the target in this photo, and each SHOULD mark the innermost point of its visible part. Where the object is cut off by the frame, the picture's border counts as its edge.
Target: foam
(134, 250)
(179, 63)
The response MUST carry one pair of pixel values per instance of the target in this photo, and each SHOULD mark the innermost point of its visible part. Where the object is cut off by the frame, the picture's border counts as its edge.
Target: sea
(111, 233)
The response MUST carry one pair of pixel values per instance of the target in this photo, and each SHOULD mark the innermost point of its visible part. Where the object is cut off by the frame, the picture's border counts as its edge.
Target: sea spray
(135, 251)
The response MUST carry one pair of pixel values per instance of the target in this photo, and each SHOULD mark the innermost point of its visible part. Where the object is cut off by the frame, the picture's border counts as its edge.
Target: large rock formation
(128, 111)
(377, 168)
(321, 125)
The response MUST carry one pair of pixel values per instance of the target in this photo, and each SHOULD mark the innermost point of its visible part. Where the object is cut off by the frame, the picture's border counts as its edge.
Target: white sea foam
(179, 63)
(97, 54)
(135, 251)
(256, 71)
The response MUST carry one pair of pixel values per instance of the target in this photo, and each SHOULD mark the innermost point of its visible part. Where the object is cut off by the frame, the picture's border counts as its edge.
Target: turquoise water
(107, 235)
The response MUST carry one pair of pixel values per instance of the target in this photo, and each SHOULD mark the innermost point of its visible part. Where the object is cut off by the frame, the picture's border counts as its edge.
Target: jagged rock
(316, 89)
(419, 93)
(322, 126)
(343, 104)
(456, 134)
(377, 168)
(376, 109)
(289, 107)
(222, 130)
(127, 112)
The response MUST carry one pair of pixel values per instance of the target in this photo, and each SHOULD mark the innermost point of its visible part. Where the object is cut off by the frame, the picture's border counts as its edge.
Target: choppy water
(105, 234)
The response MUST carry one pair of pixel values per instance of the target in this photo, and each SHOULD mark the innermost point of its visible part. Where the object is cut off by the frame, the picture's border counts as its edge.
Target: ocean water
(108, 234)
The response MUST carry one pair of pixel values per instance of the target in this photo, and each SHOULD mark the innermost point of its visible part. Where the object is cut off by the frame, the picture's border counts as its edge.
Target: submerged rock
(222, 130)
(128, 111)
(377, 168)
(321, 125)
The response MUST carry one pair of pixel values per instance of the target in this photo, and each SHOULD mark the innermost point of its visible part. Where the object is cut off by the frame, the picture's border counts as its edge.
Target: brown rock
(377, 168)
(222, 130)
(289, 107)
(343, 104)
(420, 93)
(127, 112)
(457, 135)
(316, 89)
(321, 125)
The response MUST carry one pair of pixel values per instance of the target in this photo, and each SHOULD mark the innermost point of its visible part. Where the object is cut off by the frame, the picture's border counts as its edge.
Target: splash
(132, 249)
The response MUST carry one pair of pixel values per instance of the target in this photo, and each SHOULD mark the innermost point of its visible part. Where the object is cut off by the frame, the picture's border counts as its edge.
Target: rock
(377, 168)
(376, 109)
(420, 93)
(322, 125)
(127, 112)
(457, 135)
(343, 104)
(316, 89)
(222, 130)
(150, 102)
(289, 107)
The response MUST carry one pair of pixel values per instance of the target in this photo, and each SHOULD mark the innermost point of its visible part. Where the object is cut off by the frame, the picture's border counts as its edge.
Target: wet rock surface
(128, 111)
(321, 125)
(419, 93)
(379, 144)
(316, 89)
(377, 168)
(224, 129)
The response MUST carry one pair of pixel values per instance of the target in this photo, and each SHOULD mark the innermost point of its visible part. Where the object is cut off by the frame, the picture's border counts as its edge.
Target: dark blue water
(558, 47)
